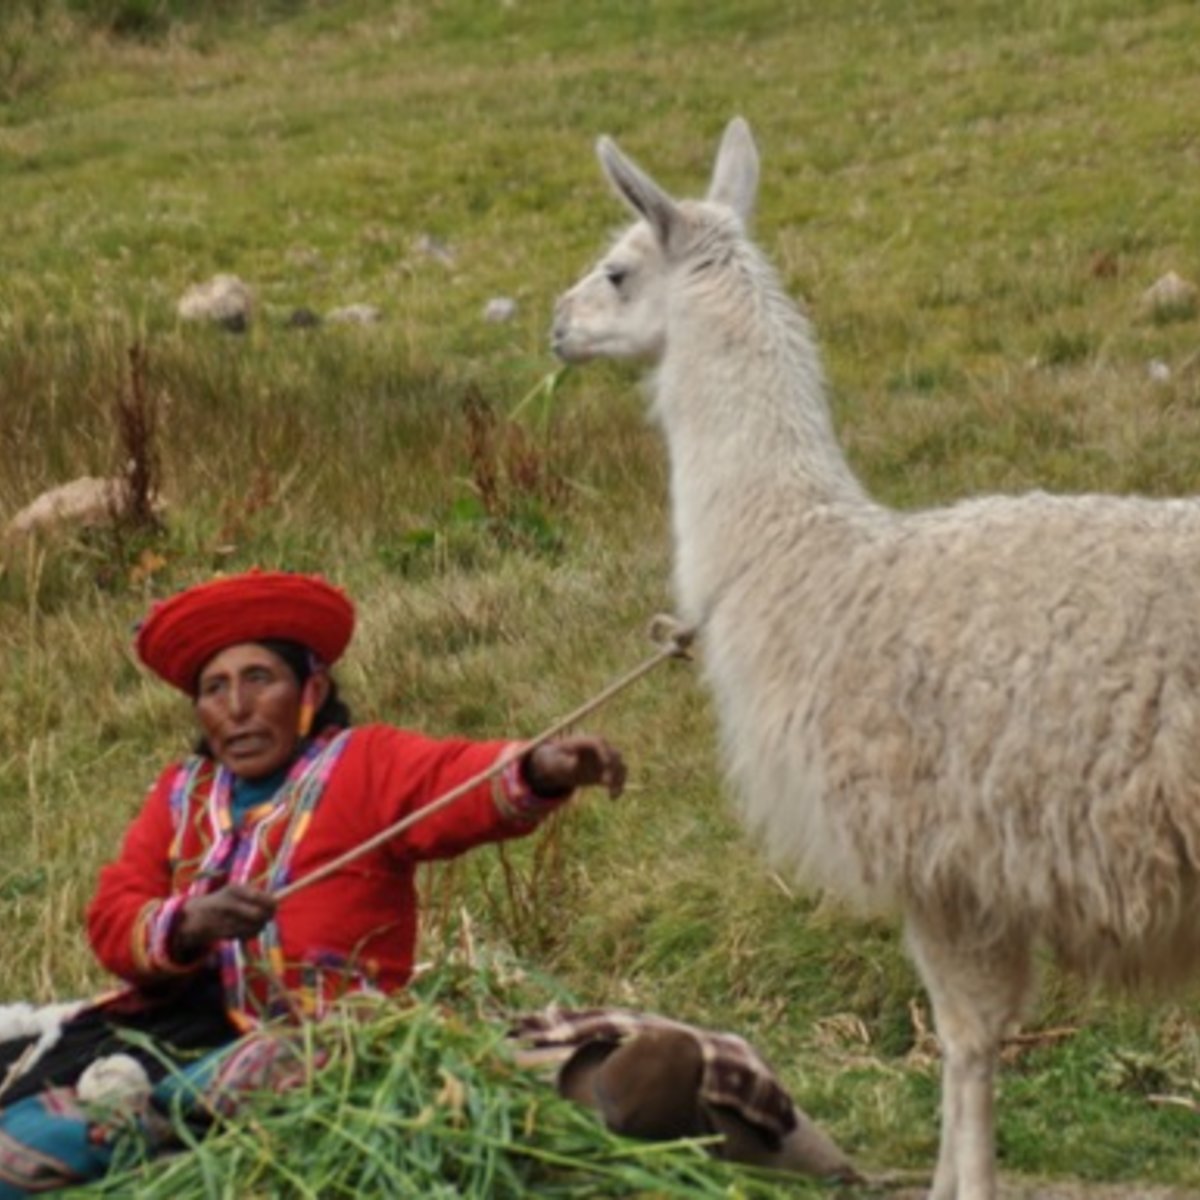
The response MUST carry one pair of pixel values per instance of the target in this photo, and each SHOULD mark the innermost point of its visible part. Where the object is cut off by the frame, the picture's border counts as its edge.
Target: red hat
(180, 634)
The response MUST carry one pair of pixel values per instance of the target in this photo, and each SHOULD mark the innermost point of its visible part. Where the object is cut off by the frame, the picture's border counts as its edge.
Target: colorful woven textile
(47, 1142)
(269, 1060)
(51, 1140)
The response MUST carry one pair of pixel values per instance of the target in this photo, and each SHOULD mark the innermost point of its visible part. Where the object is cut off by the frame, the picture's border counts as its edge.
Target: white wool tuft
(43, 1023)
(116, 1079)
(28, 1020)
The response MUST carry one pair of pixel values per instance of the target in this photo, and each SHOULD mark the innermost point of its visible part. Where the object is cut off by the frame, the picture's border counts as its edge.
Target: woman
(280, 783)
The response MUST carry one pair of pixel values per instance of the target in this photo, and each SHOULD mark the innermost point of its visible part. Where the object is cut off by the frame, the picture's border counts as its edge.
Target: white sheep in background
(986, 717)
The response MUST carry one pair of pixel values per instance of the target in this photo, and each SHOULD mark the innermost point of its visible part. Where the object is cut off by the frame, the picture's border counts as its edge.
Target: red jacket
(356, 929)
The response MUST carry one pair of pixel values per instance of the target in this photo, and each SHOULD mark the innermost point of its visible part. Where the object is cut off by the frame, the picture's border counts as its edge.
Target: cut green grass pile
(420, 1097)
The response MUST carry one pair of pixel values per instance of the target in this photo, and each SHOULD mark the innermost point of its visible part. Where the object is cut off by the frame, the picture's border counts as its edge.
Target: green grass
(969, 198)
(423, 1099)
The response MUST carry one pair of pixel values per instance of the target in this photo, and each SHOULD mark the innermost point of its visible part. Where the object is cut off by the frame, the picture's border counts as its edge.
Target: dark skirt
(182, 1019)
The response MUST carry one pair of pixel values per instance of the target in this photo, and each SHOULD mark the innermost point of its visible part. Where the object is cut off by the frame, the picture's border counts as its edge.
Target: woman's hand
(234, 911)
(578, 760)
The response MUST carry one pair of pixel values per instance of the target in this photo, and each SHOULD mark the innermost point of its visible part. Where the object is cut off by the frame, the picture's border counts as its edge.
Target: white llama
(985, 717)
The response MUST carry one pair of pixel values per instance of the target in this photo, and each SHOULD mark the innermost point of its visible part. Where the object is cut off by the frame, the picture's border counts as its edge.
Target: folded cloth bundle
(654, 1078)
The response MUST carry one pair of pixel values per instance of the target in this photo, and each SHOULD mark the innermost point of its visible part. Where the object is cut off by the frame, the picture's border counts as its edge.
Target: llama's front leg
(977, 1121)
(945, 1177)
(976, 992)
(966, 1168)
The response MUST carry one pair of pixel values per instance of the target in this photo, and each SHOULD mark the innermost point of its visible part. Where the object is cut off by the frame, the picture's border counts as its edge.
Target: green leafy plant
(420, 1097)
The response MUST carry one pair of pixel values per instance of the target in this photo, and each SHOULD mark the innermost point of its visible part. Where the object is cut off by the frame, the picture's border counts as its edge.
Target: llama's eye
(616, 275)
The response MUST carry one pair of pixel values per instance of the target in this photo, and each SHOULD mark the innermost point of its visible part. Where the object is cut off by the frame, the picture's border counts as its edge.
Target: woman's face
(248, 705)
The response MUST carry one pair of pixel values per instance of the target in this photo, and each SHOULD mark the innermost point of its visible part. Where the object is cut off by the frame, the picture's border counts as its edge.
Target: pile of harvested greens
(419, 1096)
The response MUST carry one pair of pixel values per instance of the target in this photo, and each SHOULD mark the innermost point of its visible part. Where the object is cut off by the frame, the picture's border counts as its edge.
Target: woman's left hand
(577, 760)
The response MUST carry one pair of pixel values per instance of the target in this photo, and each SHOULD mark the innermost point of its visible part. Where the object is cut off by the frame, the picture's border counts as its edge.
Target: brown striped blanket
(734, 1075)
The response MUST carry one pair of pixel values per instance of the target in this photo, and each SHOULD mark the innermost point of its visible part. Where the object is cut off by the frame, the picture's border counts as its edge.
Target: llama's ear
(735, 175)
(638, 190)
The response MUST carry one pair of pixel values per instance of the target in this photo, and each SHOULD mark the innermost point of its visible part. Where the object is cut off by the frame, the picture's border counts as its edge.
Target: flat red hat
(180, 634)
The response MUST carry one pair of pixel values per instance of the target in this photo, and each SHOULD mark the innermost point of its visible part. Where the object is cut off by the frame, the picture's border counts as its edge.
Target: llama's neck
(741, 398)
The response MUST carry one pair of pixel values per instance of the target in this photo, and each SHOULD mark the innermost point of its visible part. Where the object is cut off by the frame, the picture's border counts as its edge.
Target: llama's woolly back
(1000, 710)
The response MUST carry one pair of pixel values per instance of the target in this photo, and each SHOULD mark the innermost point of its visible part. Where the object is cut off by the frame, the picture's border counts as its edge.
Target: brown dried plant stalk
(136, 416)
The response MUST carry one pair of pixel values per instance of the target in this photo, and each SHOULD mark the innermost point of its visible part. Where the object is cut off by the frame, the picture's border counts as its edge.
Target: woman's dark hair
(333, 714)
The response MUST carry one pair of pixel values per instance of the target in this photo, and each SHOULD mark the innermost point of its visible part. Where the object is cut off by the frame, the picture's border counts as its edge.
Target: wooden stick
(677, 647)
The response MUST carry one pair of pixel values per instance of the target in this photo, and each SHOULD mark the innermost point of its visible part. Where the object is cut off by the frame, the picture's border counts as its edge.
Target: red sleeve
(409, 771)
(130, 916)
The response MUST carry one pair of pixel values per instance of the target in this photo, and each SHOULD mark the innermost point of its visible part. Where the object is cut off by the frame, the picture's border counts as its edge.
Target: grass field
(970, 198)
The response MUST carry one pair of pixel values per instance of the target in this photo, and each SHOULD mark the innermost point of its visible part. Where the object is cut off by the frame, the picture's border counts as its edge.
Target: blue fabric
(47, 1139)
(183, 1089)
(250, 793)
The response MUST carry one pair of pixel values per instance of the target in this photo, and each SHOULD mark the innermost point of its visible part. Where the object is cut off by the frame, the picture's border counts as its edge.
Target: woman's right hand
(235, 911)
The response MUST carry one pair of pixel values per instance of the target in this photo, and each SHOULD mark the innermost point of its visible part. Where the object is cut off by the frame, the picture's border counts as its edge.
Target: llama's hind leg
(976, 991)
